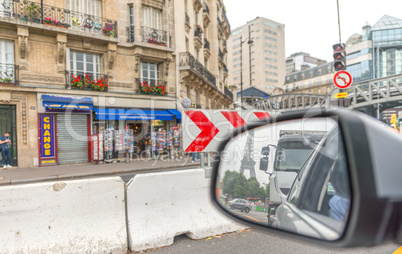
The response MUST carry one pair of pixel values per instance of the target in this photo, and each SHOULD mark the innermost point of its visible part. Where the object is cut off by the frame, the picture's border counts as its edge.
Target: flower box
(157, 43)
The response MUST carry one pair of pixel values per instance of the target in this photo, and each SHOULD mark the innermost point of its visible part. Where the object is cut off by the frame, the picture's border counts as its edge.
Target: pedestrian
(5, 149)
(194, 156)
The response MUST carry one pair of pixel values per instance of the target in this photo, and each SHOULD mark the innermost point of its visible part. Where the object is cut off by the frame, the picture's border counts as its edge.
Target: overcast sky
(312, 25)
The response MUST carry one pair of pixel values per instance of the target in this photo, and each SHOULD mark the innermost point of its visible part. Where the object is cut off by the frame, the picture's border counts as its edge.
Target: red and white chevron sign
(203, 130)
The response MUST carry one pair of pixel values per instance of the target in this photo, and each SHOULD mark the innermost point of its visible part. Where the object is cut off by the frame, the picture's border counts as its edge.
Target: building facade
(377, 52)
(300, 61)
(265, 57)
(316, 80)
(70, 69)
(202, 30)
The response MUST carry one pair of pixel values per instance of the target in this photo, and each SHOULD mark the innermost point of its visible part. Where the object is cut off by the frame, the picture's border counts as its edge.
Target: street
(252, 241)
(259, 217)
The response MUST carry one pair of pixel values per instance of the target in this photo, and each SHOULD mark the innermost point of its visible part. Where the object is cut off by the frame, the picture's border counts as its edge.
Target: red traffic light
(340, 65)
(338, 47)
(340, 55)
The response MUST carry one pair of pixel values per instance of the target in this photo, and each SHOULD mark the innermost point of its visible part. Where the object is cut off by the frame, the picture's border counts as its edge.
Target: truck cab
(292, 150)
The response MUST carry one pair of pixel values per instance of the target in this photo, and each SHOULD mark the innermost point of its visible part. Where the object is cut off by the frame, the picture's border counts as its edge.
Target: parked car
(240, 204)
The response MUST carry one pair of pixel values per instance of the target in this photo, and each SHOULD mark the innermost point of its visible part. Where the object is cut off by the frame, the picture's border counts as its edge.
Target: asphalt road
(254, 216)
(253, 242)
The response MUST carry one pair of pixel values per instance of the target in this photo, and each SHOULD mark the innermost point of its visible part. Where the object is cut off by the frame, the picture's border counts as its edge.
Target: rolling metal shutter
(72, 139)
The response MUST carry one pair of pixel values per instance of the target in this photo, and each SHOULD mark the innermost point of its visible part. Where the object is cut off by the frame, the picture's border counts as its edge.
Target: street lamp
(250, 42)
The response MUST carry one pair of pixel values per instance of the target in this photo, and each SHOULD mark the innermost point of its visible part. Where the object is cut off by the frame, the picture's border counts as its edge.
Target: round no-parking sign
(342, 79)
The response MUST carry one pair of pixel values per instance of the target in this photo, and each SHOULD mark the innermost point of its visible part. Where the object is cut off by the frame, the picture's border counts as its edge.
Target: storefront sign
(47, 140)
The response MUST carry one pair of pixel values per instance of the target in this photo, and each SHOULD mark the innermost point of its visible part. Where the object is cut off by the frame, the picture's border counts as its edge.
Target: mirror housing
(374, 173)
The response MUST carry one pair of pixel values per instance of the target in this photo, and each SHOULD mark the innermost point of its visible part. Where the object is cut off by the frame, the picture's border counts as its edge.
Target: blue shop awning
(67, 102)
(132, 114)
(175, 112)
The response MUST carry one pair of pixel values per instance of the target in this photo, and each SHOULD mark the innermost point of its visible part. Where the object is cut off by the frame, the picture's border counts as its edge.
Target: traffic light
(339, 56)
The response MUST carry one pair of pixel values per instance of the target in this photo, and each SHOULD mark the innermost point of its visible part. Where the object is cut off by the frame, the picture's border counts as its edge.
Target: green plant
(77, 82)
(100, 84)
(32, 10)
(7, 80)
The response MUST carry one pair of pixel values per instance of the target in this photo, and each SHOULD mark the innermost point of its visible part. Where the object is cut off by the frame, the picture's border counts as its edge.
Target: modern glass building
(387, 47)
(377, 53)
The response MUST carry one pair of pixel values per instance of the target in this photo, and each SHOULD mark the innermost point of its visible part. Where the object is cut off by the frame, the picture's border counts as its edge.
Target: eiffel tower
(248, 162)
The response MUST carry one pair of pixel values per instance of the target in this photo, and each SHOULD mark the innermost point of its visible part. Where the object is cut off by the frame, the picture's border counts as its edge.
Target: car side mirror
(334, 178)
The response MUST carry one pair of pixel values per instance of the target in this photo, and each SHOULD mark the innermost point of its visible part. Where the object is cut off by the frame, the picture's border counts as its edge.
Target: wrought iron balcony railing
(9, 74)
(63, 18)
(154, 36)
(188, 60)
(130, 33)
(205, 8)
(87, 81)
(220, 24)
(187, 19)
(207, 45)
(228, 92)
(225, 68)
(220, 54)
(198, 32)
(224, 43)
(152, 87)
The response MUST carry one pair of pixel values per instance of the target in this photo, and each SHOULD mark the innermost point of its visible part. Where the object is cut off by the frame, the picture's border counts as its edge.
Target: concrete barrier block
(82, 216)
(161, 206)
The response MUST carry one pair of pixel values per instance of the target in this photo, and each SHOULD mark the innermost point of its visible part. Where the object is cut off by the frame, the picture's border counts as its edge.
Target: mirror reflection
(289, 175)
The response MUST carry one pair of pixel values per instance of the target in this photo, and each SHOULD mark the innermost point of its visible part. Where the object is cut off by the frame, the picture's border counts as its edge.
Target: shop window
(85, 63)
(152, 18)
(150, 72)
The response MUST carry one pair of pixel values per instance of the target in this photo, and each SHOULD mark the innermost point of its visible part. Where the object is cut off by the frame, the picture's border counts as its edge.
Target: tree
(237, 186)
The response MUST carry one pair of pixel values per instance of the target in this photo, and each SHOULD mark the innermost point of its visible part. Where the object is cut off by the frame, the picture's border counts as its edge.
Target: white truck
(291, 151)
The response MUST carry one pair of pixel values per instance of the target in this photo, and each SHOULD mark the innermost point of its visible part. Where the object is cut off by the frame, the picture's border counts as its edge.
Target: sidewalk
(29, 175)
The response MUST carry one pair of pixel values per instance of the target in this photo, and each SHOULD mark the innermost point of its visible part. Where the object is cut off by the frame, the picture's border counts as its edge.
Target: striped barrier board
(203, 130)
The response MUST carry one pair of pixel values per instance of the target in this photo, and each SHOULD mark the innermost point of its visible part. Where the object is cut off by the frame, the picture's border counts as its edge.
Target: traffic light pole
(339, 22)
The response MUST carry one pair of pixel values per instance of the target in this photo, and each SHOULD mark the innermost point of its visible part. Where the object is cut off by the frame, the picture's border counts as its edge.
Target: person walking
(195, 155)
(5, 143)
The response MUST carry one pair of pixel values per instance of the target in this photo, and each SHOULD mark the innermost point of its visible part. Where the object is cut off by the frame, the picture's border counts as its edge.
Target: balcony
(61, 18)
(87, 81)
(225, 71)
(151, 87)
(207, 48)
(130, 33)
(154, 36)
(188, 61)
(226, 24)
(8, 74)
(224, 47)
(220, 27)
(205, 14)
(227, 92)
(197, 36)
(221, 59)
(187, 25)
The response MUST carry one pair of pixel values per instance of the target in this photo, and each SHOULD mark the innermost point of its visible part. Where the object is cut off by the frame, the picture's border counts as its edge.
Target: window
(270, 38)
(270, 24)
(236, 59)
(236, 78)
(152, 17)
(271, 80)
(271, 46)
(257, 30)
(85, 63)
(271, 73)
(131, 32)
(271, 52)
(92, 7)
(271, 66)
(236, 46)
(270, 32)
(236, 52)
(149, 71)
(236, 32)
(237, 39)
(237, 65)
(236, 72)
(271, 59)
(6, 60)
